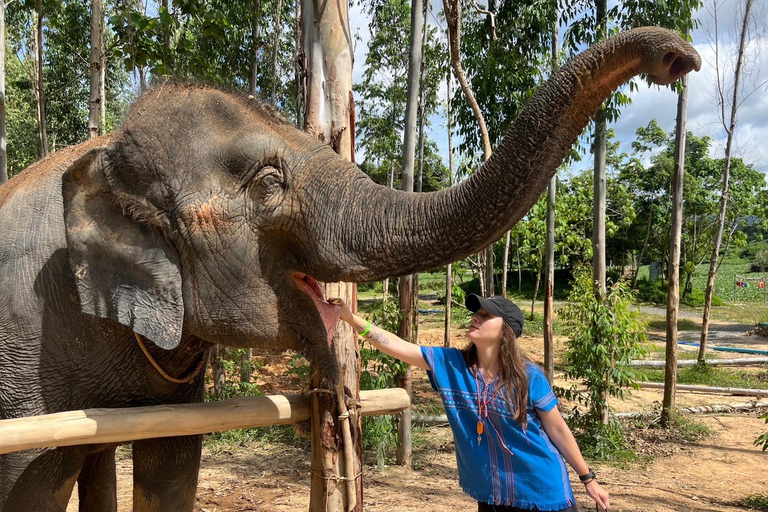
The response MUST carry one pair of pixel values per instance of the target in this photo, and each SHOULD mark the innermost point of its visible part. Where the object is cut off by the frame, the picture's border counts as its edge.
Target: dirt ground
(710, 475)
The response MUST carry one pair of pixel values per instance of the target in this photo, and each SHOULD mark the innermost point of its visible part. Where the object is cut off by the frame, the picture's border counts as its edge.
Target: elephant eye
(270, 181)
(268, 178)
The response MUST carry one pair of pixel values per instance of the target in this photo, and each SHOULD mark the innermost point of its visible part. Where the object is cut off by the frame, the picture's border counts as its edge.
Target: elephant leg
(46, 481)
(165, 473)
(97, 483)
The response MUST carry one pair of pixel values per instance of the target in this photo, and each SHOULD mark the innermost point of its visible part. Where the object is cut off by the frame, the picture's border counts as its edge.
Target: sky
(751, 135)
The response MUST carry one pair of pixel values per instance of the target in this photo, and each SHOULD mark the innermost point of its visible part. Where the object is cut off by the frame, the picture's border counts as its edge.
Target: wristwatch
(589, 476)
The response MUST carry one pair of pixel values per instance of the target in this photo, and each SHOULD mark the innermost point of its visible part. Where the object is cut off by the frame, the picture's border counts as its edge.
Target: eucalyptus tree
(213, 41)
(488, 101)
(97, 100)
(731, 93)
(382, 95)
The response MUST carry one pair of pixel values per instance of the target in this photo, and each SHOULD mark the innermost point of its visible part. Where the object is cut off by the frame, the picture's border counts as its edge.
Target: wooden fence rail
(128, 424)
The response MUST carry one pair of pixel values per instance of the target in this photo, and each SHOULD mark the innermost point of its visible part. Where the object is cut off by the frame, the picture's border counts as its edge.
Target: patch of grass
(755, 502)
(686, 429)
(231, 440)
(683, 324)
(710, 376)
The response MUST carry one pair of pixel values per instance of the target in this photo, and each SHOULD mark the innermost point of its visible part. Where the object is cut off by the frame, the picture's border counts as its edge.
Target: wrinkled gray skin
(195, 223)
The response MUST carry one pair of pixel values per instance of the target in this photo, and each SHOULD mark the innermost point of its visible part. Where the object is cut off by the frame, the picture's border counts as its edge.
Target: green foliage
(232, 361)
(383, 96)
(379, 371)
(605, 333)
(760, 261)
(656, 291)
(762, 440)
(226, 441)
(518, 58)
(755, 502)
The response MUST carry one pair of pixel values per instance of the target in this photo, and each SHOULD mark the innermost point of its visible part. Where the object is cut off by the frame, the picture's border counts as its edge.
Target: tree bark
(598, 214)
(449, 267)
(407, 284)
(276, 49)
(452, 9)
(505, 265)
(549, 282)
(3, 148)
(645, 244)
(730, 129)
(39, 83)
(254, 76)
(336, 441)
(217, 368)
(536, 287)
(95, 122)
(673, 294)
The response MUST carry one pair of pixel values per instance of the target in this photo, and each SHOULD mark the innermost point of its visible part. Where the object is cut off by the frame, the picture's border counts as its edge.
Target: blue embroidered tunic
(508, 466)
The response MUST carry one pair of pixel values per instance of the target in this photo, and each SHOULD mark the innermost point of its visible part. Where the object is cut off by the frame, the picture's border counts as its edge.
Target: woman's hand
(344, 310)
(597, 493)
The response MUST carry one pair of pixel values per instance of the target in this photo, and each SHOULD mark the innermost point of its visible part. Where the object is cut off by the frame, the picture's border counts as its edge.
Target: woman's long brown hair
(512, 372)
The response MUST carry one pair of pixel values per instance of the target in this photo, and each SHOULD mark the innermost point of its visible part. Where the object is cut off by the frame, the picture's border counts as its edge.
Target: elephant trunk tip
(674, 63)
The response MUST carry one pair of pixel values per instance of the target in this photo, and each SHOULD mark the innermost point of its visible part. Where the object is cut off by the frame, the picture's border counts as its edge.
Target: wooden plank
(128, 424)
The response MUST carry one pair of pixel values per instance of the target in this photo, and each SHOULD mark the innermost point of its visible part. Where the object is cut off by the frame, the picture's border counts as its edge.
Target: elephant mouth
(329, 313)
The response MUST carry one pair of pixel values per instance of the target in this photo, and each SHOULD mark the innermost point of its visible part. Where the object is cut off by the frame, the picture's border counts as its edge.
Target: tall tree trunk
(505, 265)
(452, 9)
(246, 368)
(3, 148)
(449, 267)
(97, 84)
(255, 43)
(219, 374)
(598, 213)
(730, 129)
(336, 443)
(549, 282)
(673, 294)
(536, 288)
(519, 271)
(406, 292)
(421, 108)
(645, 244)
(39, 88)
(276, 49)
(298, 67)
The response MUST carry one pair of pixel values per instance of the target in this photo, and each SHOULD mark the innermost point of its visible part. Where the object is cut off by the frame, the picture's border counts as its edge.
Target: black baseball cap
(498, 306)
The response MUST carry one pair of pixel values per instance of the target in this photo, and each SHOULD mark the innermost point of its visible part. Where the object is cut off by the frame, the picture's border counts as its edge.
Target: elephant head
(210, 212)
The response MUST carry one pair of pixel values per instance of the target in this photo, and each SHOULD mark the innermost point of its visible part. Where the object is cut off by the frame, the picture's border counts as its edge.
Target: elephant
(206, 218)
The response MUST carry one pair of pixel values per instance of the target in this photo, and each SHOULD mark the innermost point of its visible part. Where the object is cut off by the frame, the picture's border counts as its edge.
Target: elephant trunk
(387, 232)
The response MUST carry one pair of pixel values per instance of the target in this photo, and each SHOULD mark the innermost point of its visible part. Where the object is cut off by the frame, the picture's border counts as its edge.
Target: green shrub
(755, 502)
(760, 261)
(763, 439)
(605, 333)
(655, 292)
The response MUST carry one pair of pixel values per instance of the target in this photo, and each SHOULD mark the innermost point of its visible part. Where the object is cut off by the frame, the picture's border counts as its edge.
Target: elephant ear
(124, 270)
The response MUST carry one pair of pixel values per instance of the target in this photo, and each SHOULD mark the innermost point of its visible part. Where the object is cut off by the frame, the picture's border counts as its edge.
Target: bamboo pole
(710, 362)
(708, 389)
(702, 409)
(128, 424)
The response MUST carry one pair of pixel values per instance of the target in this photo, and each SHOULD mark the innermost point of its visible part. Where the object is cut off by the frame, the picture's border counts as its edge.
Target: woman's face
(485, 328)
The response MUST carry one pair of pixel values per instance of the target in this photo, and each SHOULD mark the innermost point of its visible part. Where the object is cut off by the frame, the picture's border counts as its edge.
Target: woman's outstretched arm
(383, 340)
(562, 437)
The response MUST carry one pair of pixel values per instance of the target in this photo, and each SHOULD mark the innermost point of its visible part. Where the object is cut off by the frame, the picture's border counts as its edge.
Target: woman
(508, 433)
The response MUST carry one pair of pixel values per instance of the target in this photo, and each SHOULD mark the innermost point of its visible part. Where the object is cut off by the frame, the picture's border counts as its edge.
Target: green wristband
(367, 329)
